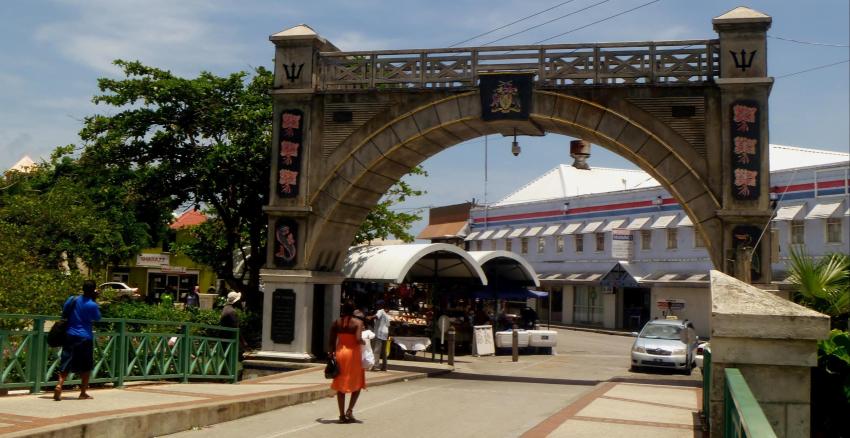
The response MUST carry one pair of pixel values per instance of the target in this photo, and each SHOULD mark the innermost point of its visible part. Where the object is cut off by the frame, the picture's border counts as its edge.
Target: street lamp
(515, 149)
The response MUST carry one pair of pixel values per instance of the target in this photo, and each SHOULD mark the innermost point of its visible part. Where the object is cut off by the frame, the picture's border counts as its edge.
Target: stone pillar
(289, 307)
(773, 342)
(744, 141)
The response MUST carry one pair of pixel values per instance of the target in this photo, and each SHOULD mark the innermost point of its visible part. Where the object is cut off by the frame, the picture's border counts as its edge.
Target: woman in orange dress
(345, 343)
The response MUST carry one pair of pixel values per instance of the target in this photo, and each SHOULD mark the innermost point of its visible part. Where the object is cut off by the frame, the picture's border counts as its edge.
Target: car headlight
(639, 349)
(679, 351)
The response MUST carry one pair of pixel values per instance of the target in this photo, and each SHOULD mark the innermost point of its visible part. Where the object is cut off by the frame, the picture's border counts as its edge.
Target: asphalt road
(487, 397)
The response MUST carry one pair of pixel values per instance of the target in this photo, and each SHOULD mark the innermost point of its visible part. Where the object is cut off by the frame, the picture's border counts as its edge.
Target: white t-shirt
(382, 325)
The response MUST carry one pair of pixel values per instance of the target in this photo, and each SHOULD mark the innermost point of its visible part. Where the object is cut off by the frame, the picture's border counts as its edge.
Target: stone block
(405, 129)
(589, 116)
(442, 137)
(324, 205)
(690, 187)
(775, 413)
(426, 118)
(391, 169)
(704, 207)
(469, 105)
(566, 108)
(653, 152)
(406, 156)
(543, 104)
(632, 137)
(353, 213)
(351, 170)
(368, 154)
(447, 110)
(374, 182)
(798, 420)
(776, 383)
(461, 131)
(611, 125)
(672, 169)
(337, 187)
(385, 141)
(425, 147)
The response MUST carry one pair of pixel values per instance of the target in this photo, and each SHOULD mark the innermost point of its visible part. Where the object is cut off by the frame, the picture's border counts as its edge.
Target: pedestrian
(382, 333)
(78, 350)
(229, 318)
(345, 344)
(193, 299)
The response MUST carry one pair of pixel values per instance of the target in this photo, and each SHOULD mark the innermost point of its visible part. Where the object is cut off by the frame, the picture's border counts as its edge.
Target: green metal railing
(124, 350)
(742, 415)
(706, 384)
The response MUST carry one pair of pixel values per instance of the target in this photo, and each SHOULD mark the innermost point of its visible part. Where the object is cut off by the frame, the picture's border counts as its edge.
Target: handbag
(331, 369)
(59, 332)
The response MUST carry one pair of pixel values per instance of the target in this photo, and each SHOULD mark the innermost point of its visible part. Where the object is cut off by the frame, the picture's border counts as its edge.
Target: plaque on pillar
(285, 243)
(746, 149)
(283, 316)
(505, 96)
(290, 136)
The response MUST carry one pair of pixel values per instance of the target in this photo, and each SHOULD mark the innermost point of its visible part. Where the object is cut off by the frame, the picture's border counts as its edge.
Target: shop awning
(571, 277)
(472, 235)
(501, 233)
(685, 221)
(639, 223)
(505, 267)
(411, 262)
(824, 209)
(664, 221)
(591, 227)
(485, 234)
(696, 278)
(790, 212)
(533, 231)
(622, 274)
(518, 294)
(614, 223)
(516, 232)
(571, 228)
(551, 230)
(445, 230)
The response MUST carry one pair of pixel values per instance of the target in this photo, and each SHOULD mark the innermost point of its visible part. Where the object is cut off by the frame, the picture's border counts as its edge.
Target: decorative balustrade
(124, 350)
(662, 62)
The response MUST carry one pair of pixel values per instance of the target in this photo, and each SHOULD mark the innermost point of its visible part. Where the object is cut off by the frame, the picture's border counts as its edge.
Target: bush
(831, 386)
(169, 313)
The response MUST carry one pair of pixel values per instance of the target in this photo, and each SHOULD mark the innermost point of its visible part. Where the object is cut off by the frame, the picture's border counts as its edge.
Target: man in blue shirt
(78, 350)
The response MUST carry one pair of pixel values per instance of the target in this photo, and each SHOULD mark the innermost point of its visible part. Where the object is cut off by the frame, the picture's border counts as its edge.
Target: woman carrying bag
(345, 345)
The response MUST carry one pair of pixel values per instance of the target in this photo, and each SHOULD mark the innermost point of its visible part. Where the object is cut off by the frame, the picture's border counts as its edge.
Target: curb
(163, 421)
(592, 330)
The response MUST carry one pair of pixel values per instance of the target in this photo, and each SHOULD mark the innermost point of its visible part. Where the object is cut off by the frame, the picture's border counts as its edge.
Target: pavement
(584, 390)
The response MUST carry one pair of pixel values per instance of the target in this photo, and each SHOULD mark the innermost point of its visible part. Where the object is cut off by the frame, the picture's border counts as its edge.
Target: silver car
(665, 343)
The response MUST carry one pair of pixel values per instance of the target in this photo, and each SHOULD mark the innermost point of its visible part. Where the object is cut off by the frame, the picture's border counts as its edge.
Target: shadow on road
(518, 379)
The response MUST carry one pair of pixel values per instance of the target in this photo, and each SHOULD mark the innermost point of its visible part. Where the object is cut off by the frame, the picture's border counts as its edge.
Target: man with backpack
(78, 350)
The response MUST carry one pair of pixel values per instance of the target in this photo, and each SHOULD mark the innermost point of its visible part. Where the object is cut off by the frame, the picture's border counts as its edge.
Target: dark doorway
(636, 306)
(318, 346)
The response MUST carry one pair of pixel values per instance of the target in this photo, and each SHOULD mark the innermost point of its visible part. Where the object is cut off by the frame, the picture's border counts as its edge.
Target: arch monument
(348, 125)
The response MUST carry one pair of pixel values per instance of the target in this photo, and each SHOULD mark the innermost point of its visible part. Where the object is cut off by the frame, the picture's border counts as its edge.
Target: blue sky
(52, 52)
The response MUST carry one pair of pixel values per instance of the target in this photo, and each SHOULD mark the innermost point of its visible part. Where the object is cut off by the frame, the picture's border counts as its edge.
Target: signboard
(152, 260)
(283, 316)
(670, 304)
(482, 340)
(505, 96)
(622, 244)
(290, 134)
(745, 126)
(286, 243)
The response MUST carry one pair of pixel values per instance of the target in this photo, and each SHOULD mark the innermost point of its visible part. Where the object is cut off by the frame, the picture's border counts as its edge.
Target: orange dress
(352, 376)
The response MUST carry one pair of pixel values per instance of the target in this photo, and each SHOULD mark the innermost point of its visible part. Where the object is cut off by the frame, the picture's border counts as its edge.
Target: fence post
(451, 341)
(123, 352)
(234, 356)
(34, 361)
(514, 344)
(185, 350)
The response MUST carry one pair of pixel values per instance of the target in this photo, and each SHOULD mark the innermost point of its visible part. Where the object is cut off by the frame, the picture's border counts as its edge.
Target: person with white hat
(229, 318)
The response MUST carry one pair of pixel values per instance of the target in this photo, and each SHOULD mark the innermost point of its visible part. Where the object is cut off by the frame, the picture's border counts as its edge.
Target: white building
(563, 223)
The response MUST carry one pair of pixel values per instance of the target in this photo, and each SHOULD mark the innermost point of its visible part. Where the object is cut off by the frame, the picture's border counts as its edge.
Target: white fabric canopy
(472, 235)
(616, 223)
(824, 209)
(411, 262)
(516, 232)
(571, 228)
(508, 265)
(685, 221)
(639, 223)
(664, 221)
(485, 234)
(551, 230)
(501, 233)
(533, 231)
(591, 227)
(789, 212)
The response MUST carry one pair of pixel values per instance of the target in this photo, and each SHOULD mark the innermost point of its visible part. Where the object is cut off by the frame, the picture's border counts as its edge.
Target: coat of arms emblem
(505, 98)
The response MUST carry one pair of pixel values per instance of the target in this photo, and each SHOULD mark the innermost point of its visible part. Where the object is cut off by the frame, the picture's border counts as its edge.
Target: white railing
(662, 62)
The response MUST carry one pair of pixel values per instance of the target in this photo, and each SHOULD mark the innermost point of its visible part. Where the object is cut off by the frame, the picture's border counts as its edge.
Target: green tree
(203, 142)
(383, 221)
(823, 284)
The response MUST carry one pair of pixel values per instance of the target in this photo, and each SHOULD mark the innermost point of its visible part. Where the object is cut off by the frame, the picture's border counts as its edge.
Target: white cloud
(178, 35)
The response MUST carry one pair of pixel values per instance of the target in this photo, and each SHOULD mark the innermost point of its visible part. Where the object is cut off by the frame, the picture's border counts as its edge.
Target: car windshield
(659, 331)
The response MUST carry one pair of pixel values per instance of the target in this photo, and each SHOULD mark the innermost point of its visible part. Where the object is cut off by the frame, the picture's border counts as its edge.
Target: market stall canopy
(516, 293)
(506, 267)
(411, 263)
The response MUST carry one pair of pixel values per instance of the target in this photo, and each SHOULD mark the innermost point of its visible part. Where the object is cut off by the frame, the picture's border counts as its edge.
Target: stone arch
(364, 167)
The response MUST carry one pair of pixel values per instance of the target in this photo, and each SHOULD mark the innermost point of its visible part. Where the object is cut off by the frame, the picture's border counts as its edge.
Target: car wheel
(634, 368)
(688, 370)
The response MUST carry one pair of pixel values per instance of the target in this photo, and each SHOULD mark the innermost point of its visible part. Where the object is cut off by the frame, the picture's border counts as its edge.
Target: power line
(512, 23)
(813, 69)
(547, 22)
(807, 42)
(597, 21)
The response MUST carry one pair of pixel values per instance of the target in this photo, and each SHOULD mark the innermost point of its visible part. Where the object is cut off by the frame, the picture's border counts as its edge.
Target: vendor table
(412, 343)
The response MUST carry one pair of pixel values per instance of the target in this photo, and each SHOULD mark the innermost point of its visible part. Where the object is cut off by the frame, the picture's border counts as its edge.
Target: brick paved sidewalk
(162, 408)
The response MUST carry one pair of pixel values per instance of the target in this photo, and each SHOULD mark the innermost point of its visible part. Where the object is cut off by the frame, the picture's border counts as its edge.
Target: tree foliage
(823, 284)
(383, 221)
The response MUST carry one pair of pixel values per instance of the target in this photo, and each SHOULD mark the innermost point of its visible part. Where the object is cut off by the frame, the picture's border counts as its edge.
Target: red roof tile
(188, 219)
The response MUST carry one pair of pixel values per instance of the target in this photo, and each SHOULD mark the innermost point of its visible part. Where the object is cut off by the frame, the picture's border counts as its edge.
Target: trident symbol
(296, 71)
(743, 63)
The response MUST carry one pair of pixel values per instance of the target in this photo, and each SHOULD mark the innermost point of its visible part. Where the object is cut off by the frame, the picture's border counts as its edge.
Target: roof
(446, 230)
(506, 264)
(411, 262)
(23, 165)
(188, 219)
(565, 181)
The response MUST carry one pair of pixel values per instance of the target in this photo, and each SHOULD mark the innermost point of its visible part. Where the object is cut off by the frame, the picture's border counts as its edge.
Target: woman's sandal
(343, 419)
(349, 415)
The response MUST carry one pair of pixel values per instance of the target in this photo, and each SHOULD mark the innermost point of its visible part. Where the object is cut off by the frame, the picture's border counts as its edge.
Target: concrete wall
(697, 305)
